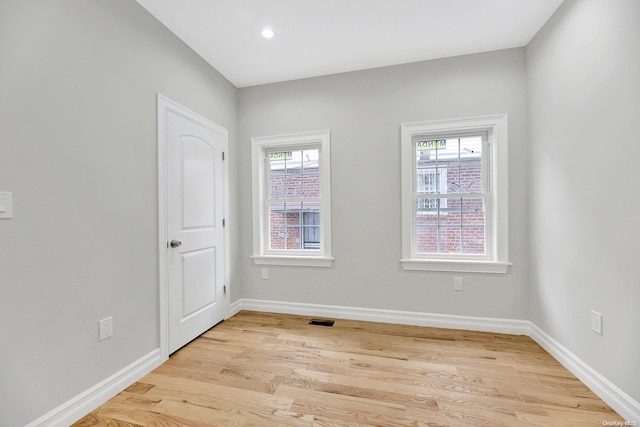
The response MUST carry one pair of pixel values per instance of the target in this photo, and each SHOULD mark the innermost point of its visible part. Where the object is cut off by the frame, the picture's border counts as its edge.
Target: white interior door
(196, 187)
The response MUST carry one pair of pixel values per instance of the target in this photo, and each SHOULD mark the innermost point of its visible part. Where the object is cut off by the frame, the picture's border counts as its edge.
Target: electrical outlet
(596, 322)
(265, 274)
(458, 284)
(106, 328)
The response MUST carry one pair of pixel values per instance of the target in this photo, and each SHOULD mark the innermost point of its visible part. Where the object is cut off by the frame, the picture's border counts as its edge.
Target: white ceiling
(319, 37)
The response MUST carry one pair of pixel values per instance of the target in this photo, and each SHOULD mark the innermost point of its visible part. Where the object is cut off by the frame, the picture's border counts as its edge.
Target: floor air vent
(321, 322)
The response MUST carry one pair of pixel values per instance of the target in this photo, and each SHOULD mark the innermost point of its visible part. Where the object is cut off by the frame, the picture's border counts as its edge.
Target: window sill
(456, 266)
(292, 261)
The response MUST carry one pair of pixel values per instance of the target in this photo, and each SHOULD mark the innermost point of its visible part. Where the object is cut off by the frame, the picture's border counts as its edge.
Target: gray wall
(584, 91)
(78, 81)
(364, 110)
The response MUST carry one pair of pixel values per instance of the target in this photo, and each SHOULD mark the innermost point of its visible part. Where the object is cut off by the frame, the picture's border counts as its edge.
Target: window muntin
(291, 199)
(455, 195)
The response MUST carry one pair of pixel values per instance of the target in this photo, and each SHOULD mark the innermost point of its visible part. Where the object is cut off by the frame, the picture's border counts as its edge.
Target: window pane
(311, 225)
(293, 238)
(470, 179)
(282, 216)
(310, 182)
(470, 176)
(277, 222)
(277, 186)
(277, 214)
(311, 229)
(471, 147)
(284, 173)
(431, 181)
(449, 228)
(437, 153)
(427, 226)
(293, 183)
(278, 162)
(310, 173)
(284, 238)
(293, 216)
(473, 226)
(277, 237)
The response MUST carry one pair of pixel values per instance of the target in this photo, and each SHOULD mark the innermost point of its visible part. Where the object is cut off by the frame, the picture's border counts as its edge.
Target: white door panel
(195, 210)
(198, 267)
(198, 178)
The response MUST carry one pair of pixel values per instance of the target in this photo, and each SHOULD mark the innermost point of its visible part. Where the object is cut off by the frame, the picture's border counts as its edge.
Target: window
(291, 199)
(454, 195)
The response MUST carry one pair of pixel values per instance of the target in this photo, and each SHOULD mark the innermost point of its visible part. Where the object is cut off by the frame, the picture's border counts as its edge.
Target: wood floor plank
(273, 370)
(348, 409)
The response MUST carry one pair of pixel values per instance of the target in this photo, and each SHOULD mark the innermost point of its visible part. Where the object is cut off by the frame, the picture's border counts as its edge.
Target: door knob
(175, 243)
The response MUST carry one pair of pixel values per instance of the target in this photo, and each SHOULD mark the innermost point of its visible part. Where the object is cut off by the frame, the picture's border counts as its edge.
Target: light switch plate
(106, 328)
(6, 205)
(596, 322)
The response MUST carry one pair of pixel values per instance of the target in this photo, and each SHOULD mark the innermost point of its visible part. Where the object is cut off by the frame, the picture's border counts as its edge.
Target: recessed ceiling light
(267, 33)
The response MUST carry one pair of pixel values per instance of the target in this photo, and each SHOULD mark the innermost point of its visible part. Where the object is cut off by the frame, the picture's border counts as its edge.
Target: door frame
(165, 105)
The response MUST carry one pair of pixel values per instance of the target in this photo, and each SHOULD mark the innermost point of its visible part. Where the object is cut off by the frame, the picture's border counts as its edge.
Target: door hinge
(224, 222)
(224, 289)
(223, 155)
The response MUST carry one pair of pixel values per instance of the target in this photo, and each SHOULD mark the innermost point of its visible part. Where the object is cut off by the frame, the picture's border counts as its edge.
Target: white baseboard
(79, 406)
(235, 307)
(621, 402)
(485, 324)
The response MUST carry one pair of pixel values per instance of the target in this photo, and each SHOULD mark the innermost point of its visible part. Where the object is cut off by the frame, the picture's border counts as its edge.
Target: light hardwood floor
(273, 370)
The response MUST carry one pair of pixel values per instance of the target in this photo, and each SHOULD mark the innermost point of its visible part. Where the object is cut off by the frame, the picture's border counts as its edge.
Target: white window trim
(262, 255)
(497, 220)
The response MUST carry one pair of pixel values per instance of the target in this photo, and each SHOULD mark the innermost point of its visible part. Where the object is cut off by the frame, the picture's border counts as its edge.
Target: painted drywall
(78, 84)
(584, 93)
(364, 110)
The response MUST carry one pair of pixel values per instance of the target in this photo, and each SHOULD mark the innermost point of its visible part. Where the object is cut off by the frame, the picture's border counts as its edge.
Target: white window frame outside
(495, 166)
(260, 146)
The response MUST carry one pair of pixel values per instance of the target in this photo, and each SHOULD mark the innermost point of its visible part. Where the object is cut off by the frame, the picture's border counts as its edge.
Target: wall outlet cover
(458, 284)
